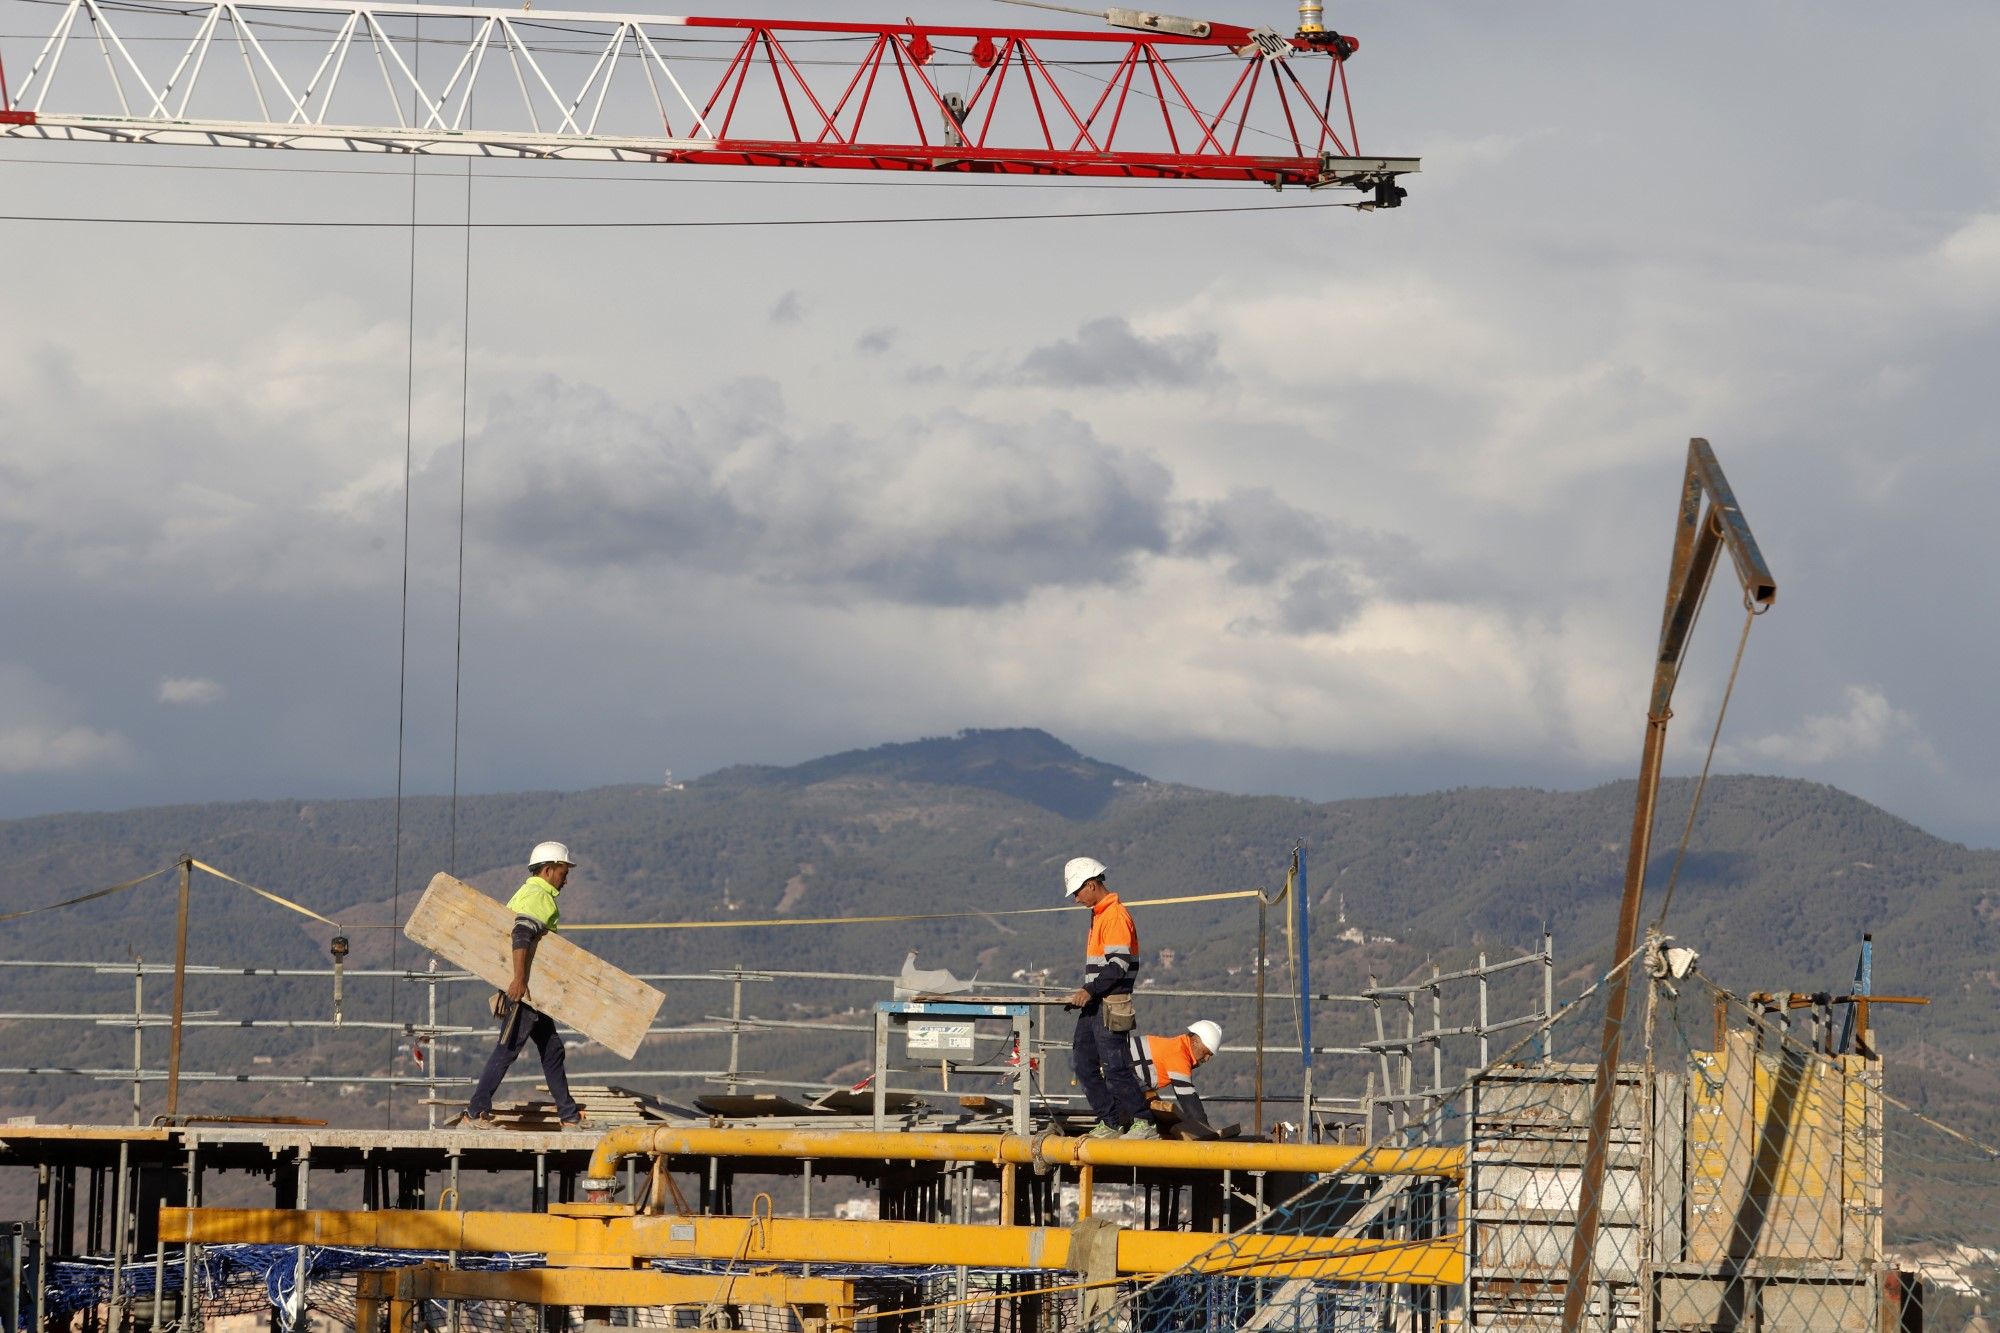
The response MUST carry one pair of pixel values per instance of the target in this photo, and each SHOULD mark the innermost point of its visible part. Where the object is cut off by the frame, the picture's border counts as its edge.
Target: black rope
(1701, 784)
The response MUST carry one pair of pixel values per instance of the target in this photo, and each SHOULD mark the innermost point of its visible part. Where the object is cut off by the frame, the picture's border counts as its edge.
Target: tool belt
(1120, 1013)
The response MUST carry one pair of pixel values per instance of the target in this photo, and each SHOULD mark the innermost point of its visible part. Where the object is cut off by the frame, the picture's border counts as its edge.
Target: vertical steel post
(736, 1025)
(120, 1202)
(1024, 1046)
(453, 1317)
(45, 1228)
(180, 992)
(1485, 1056)
(431, 1046)
(301, 1322)
(1382, 1055)
(159, 1281)
(1409, 1050)
(1548, 995)
(1306, 1108)
(1437, 1032)
(880, 1087)
(138, 1047)
(190, 1254)
(1263, 915)
(1041, 1048)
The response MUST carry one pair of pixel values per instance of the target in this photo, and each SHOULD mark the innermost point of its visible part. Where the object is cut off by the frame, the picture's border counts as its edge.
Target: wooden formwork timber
(463, 926)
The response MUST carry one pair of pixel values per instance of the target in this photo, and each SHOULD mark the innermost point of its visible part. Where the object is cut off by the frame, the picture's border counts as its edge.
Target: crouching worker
(1166, 1066)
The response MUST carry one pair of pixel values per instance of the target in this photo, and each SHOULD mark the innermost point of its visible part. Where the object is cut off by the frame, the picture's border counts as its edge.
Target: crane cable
(657, 225)
(403, 620)
(1694, 804)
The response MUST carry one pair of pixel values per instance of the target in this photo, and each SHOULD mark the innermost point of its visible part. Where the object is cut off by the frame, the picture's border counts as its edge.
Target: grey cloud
(874, 342)
(1107, 353)
(789, 309)
(1324, 571)
(40, 732)
(1259, 534)
(190, 691)
(951, 510)
(1319, 601)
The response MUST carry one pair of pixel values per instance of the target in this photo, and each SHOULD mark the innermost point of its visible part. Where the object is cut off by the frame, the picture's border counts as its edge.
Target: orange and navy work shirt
(1111, 965)
(1161, 1062)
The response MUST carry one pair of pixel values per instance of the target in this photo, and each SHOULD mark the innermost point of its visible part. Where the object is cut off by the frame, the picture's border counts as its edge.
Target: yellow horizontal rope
(264, 893)
(880, 920)
(100, 893)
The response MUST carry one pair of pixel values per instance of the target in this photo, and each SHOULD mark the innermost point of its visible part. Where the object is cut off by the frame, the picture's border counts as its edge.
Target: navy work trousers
(516, 1031)
(1103, 1063)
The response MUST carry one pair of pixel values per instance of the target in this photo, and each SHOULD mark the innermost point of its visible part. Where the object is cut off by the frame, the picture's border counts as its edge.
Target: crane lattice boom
(1208, 102)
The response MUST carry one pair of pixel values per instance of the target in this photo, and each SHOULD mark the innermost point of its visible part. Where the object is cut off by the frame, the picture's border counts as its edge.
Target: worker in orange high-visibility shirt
(1099, 1051)
(1166, 1065)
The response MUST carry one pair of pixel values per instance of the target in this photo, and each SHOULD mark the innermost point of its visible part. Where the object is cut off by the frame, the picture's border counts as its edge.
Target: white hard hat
(1079, 872)
(1208, 1034)
(546, 852)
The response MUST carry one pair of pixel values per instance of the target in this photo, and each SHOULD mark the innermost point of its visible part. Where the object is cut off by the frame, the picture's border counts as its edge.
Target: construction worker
(1166, 1066)
(535, 915)
(1100, 1051)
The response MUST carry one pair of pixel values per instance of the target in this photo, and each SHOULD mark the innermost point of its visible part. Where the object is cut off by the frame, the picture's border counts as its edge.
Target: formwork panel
(1693, 1304)
(1765, 1173)
(1530, 1134)
(463, 926)
(1816, 1307)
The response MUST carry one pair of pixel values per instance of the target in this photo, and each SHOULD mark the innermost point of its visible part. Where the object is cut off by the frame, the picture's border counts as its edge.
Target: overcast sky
(1329, 503)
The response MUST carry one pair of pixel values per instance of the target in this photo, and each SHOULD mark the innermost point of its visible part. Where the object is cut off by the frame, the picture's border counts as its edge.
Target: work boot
(1141, 1128)
(1101, 1130)
(582, 1122)
(469, 1121)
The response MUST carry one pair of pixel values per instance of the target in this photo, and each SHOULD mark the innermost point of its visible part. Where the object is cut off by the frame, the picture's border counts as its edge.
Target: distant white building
(668, 783)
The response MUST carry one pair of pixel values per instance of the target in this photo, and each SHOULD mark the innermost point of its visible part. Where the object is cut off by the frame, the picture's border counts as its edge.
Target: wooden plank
(846, 1101)
(463, 926)
(740, 1106)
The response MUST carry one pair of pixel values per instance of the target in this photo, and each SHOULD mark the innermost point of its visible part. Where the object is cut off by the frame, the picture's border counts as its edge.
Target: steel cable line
(403, 640)
(708, 176)
(107, 220)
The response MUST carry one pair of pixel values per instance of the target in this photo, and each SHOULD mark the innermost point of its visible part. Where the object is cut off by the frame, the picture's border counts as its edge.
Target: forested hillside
(1784, 878)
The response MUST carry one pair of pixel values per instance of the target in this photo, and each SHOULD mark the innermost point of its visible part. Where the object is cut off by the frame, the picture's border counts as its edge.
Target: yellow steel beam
(818, 1144)
(626, 1240)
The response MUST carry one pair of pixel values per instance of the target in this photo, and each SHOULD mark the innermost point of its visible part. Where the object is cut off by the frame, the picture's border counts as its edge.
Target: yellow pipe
(999, 1149)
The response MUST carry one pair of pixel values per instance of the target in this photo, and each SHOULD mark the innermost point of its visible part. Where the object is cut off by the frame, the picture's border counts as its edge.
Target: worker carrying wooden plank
(1099, 1049)
(1166, 1065)
(535, 914)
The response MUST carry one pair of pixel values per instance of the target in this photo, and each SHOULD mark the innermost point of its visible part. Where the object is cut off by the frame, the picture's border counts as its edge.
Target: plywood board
(461, 925)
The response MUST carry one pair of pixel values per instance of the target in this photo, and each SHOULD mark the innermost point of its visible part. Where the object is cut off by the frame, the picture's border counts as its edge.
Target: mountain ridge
(1024, 762)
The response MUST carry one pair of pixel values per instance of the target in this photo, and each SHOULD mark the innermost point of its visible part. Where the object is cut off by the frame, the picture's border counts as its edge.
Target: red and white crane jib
(1153, 98)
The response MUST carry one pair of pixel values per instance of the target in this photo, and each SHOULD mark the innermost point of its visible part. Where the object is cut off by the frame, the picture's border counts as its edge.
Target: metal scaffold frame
(1402, 1073)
